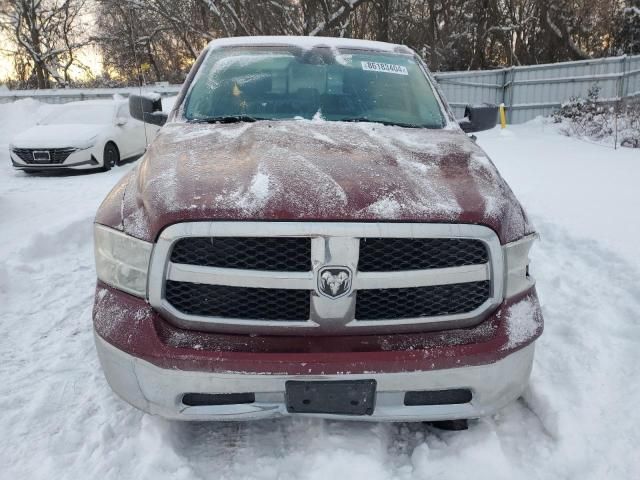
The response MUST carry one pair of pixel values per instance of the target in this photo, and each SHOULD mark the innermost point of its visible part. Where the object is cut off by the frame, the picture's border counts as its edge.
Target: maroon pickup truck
(313, 233)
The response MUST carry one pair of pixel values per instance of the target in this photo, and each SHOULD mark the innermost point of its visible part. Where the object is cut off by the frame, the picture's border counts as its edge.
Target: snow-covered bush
(632, 121)
(601, 120)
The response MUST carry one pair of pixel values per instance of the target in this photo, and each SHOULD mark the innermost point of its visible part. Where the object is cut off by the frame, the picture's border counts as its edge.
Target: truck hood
(316, 171)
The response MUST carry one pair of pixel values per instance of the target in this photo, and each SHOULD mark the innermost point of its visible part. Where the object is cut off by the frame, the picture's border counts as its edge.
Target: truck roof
(310, 42)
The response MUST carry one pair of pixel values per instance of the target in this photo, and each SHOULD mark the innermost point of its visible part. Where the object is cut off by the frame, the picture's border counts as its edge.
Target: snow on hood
(316, 171)
(56, 136)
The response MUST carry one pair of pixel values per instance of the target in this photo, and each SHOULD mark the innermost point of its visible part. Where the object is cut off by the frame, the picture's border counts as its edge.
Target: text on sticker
(385, 67)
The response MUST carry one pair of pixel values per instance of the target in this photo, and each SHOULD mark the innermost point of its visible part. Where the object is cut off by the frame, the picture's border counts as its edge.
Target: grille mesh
(393, 254)
(252, 253)
(238, 302)
(395, 303)
(57, 155)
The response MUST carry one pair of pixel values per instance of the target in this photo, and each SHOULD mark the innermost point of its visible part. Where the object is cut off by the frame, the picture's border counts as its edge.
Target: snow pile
(256, 196)
(20, 115)
(385, 207)
(521, 322)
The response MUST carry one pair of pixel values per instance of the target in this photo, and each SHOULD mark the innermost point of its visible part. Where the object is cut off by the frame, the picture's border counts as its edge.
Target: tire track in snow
(285, 448)
(581, 386)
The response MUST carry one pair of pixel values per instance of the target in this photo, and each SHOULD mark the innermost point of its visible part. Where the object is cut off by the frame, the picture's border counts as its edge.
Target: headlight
(88, 144)
(122, 261)
(516, 260)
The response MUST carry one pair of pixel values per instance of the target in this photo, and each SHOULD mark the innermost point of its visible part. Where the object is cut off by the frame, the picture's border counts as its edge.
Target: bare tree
(45, 36)
(336, 17)
(151, 40)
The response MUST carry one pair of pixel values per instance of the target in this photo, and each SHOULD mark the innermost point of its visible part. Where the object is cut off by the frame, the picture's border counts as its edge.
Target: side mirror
(479, 117)
(147, 108)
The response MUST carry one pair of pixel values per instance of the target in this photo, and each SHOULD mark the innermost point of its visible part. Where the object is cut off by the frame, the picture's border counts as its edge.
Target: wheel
(111, 156)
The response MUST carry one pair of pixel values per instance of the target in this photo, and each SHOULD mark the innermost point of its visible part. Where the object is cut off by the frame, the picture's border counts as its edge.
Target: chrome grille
(252, 253)
(390, 303)
(264, 277)
(238, 302)
(393, 254)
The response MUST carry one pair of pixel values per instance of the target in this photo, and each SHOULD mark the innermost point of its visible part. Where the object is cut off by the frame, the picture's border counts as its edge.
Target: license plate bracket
(41, 156)
(336, 397)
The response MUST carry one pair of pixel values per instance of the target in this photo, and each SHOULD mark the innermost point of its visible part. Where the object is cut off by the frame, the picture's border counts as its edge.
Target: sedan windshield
(257, 83)
(79, 113)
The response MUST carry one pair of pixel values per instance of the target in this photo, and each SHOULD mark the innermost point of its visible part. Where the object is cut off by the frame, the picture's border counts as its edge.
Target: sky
(90, 56)
(5, 61)
(5, 66)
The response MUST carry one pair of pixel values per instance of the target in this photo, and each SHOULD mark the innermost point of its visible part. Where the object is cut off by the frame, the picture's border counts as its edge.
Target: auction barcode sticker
(384, 67)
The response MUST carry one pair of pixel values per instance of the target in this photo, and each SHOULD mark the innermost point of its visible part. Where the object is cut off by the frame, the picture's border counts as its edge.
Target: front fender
(110, 210)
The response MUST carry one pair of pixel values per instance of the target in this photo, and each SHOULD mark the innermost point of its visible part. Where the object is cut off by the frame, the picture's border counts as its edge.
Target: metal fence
(526, 91)
(66, 95)
(535, 90)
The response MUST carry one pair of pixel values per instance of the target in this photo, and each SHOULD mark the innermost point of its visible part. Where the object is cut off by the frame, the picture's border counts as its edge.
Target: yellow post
(503, 116)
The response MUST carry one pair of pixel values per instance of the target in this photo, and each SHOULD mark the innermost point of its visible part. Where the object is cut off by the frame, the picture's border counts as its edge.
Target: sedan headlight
(88, 144)
(516, 259)
(121, 260)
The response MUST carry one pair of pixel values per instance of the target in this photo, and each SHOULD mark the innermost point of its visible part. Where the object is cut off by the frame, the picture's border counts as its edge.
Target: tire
(110, 157)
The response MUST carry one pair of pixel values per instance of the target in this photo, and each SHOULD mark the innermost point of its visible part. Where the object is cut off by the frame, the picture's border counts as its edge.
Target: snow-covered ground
(579, 418)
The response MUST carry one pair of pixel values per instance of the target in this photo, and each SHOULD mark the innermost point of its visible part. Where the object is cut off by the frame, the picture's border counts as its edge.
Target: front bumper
(152, 364)
(160, 391)
(80, 160)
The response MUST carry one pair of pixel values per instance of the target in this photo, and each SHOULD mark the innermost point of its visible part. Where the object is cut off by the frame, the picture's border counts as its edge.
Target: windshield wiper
(383, 122)
(226, 119)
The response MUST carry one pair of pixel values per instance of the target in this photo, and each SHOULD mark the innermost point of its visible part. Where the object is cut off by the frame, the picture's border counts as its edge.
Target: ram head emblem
(334, 282)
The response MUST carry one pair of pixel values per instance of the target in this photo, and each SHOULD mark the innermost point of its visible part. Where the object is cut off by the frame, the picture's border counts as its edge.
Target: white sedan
(81, 135)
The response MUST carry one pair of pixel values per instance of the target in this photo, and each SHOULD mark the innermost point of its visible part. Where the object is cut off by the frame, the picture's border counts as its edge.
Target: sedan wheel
(111, 156)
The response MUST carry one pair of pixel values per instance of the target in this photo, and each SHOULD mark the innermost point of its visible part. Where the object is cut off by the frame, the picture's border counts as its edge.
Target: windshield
(254, 83)
(92, 114)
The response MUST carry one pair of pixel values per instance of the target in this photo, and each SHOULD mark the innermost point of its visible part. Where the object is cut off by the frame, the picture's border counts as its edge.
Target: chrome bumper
(159, 391)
